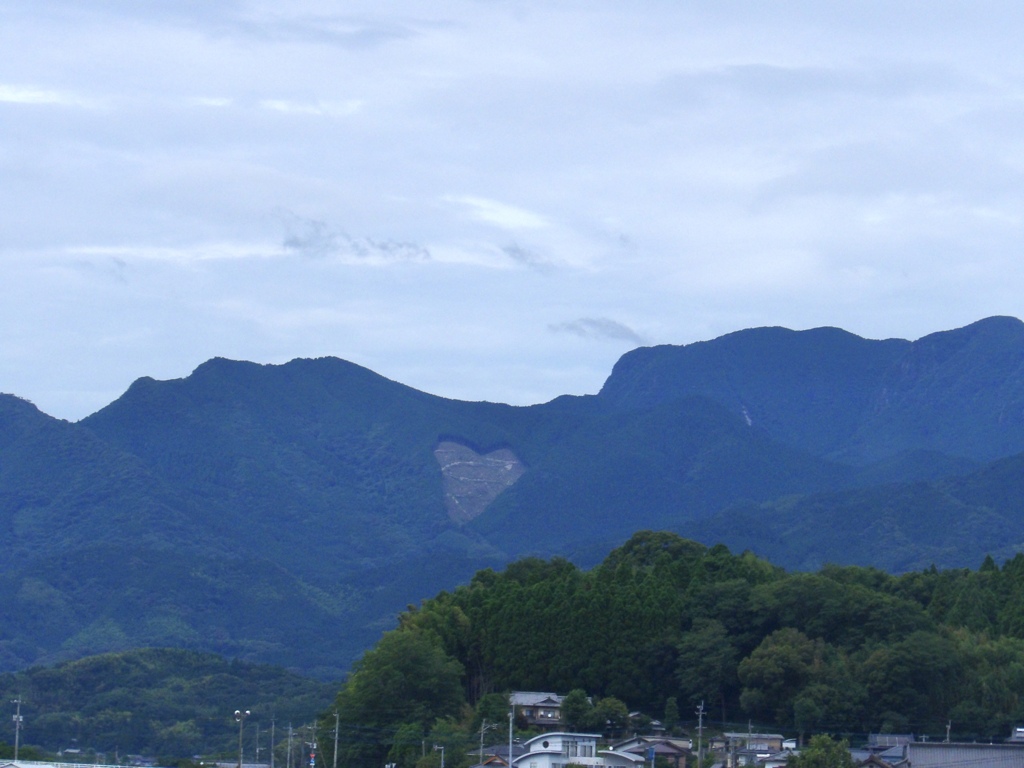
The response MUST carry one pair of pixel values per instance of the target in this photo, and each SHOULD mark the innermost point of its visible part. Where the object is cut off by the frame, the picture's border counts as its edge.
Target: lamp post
(336, 723)
(511, 715)
(17, 725)
(240, 719)
(436, 748)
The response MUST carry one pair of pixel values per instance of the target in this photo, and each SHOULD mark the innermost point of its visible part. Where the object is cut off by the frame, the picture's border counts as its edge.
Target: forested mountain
(287, 513)
(837, 395)
(665, 623)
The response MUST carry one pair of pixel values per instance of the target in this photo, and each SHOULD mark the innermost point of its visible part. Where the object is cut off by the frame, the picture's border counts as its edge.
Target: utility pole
(336, 723)
(17, 725)
(484, 727)
(949, 724)
(289, 745)
(511, 713)
(240, 719)
(700, 733)
(271, 742)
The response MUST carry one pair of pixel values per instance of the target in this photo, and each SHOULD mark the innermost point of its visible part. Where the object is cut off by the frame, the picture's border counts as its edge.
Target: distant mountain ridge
(841, 396)
(285, 513)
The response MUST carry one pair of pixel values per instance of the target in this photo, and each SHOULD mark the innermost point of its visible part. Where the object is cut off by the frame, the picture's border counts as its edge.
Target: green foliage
(663, 620)
(671, 717)
(577, 710)
(158, 702)
(400, 687)
(287, 513)
(610, 717)
(823, 752)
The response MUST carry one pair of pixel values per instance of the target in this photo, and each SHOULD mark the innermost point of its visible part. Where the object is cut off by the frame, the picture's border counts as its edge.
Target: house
(942, 754)
(681, 742)
(559, 749)
(675, 750)
(496, 755)
(777, 760)
(538, 710)
(879, 742)
(747, 748)
(756, 742)
(871, 761)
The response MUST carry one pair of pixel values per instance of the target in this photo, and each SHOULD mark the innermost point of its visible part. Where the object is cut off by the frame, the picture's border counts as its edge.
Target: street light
(436, 748)
(511, 715)
(17, 725)
(240, 719)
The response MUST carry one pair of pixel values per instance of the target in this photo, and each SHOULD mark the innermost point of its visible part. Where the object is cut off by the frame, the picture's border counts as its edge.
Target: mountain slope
(287, 513)
(836, 395)
(898, 527)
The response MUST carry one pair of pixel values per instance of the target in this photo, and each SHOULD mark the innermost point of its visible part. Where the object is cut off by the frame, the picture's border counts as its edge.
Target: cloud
(497, 213)
(333, 109)
(212, 101)
(32, 95)
(120, 255)
(526, 256)
(334, 30)
(315, 239)
(598, 328)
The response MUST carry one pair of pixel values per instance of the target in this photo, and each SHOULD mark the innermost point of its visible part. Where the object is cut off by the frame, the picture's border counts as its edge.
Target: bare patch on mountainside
(472, 480)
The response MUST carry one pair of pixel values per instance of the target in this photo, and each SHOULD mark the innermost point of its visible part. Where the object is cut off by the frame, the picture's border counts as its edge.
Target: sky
(491, 199)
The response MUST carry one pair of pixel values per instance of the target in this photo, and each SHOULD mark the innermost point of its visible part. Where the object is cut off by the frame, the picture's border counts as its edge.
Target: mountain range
(286, 513)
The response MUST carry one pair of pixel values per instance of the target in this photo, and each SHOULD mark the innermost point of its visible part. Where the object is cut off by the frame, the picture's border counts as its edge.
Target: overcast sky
(492, 200)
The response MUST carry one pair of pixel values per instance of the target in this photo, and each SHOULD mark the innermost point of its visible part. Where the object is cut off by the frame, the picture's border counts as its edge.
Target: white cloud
(500, 214)
(212, 101)
(32, 95)
(333, 109)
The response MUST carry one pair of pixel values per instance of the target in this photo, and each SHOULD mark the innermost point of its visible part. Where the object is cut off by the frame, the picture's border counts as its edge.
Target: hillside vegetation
(288, 513)
(158, 702)
(664, 623)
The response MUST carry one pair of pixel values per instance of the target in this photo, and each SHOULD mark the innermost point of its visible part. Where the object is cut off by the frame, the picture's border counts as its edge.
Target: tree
(610, 716)
(775, 672)
(706, 664)
(494, 708)
(671, 713)
(577, 711)
(407, 679)
(823, 752)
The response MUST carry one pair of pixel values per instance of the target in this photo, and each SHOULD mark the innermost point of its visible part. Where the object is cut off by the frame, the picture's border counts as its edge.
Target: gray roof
(534, 698)
(942, 755)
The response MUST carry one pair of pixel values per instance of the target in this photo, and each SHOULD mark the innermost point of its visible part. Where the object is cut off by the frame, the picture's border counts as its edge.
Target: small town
(541, 713)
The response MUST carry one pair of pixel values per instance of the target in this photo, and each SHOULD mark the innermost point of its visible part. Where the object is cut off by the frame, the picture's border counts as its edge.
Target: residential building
(538, 709)
(559, 749)
(940, 754)
(746, 748)
(675, 750)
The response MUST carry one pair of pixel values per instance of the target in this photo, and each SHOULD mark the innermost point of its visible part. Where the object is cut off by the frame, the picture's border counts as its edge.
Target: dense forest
(665, 623)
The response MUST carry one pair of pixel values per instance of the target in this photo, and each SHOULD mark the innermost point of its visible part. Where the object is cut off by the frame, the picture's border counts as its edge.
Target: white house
(559, 749)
